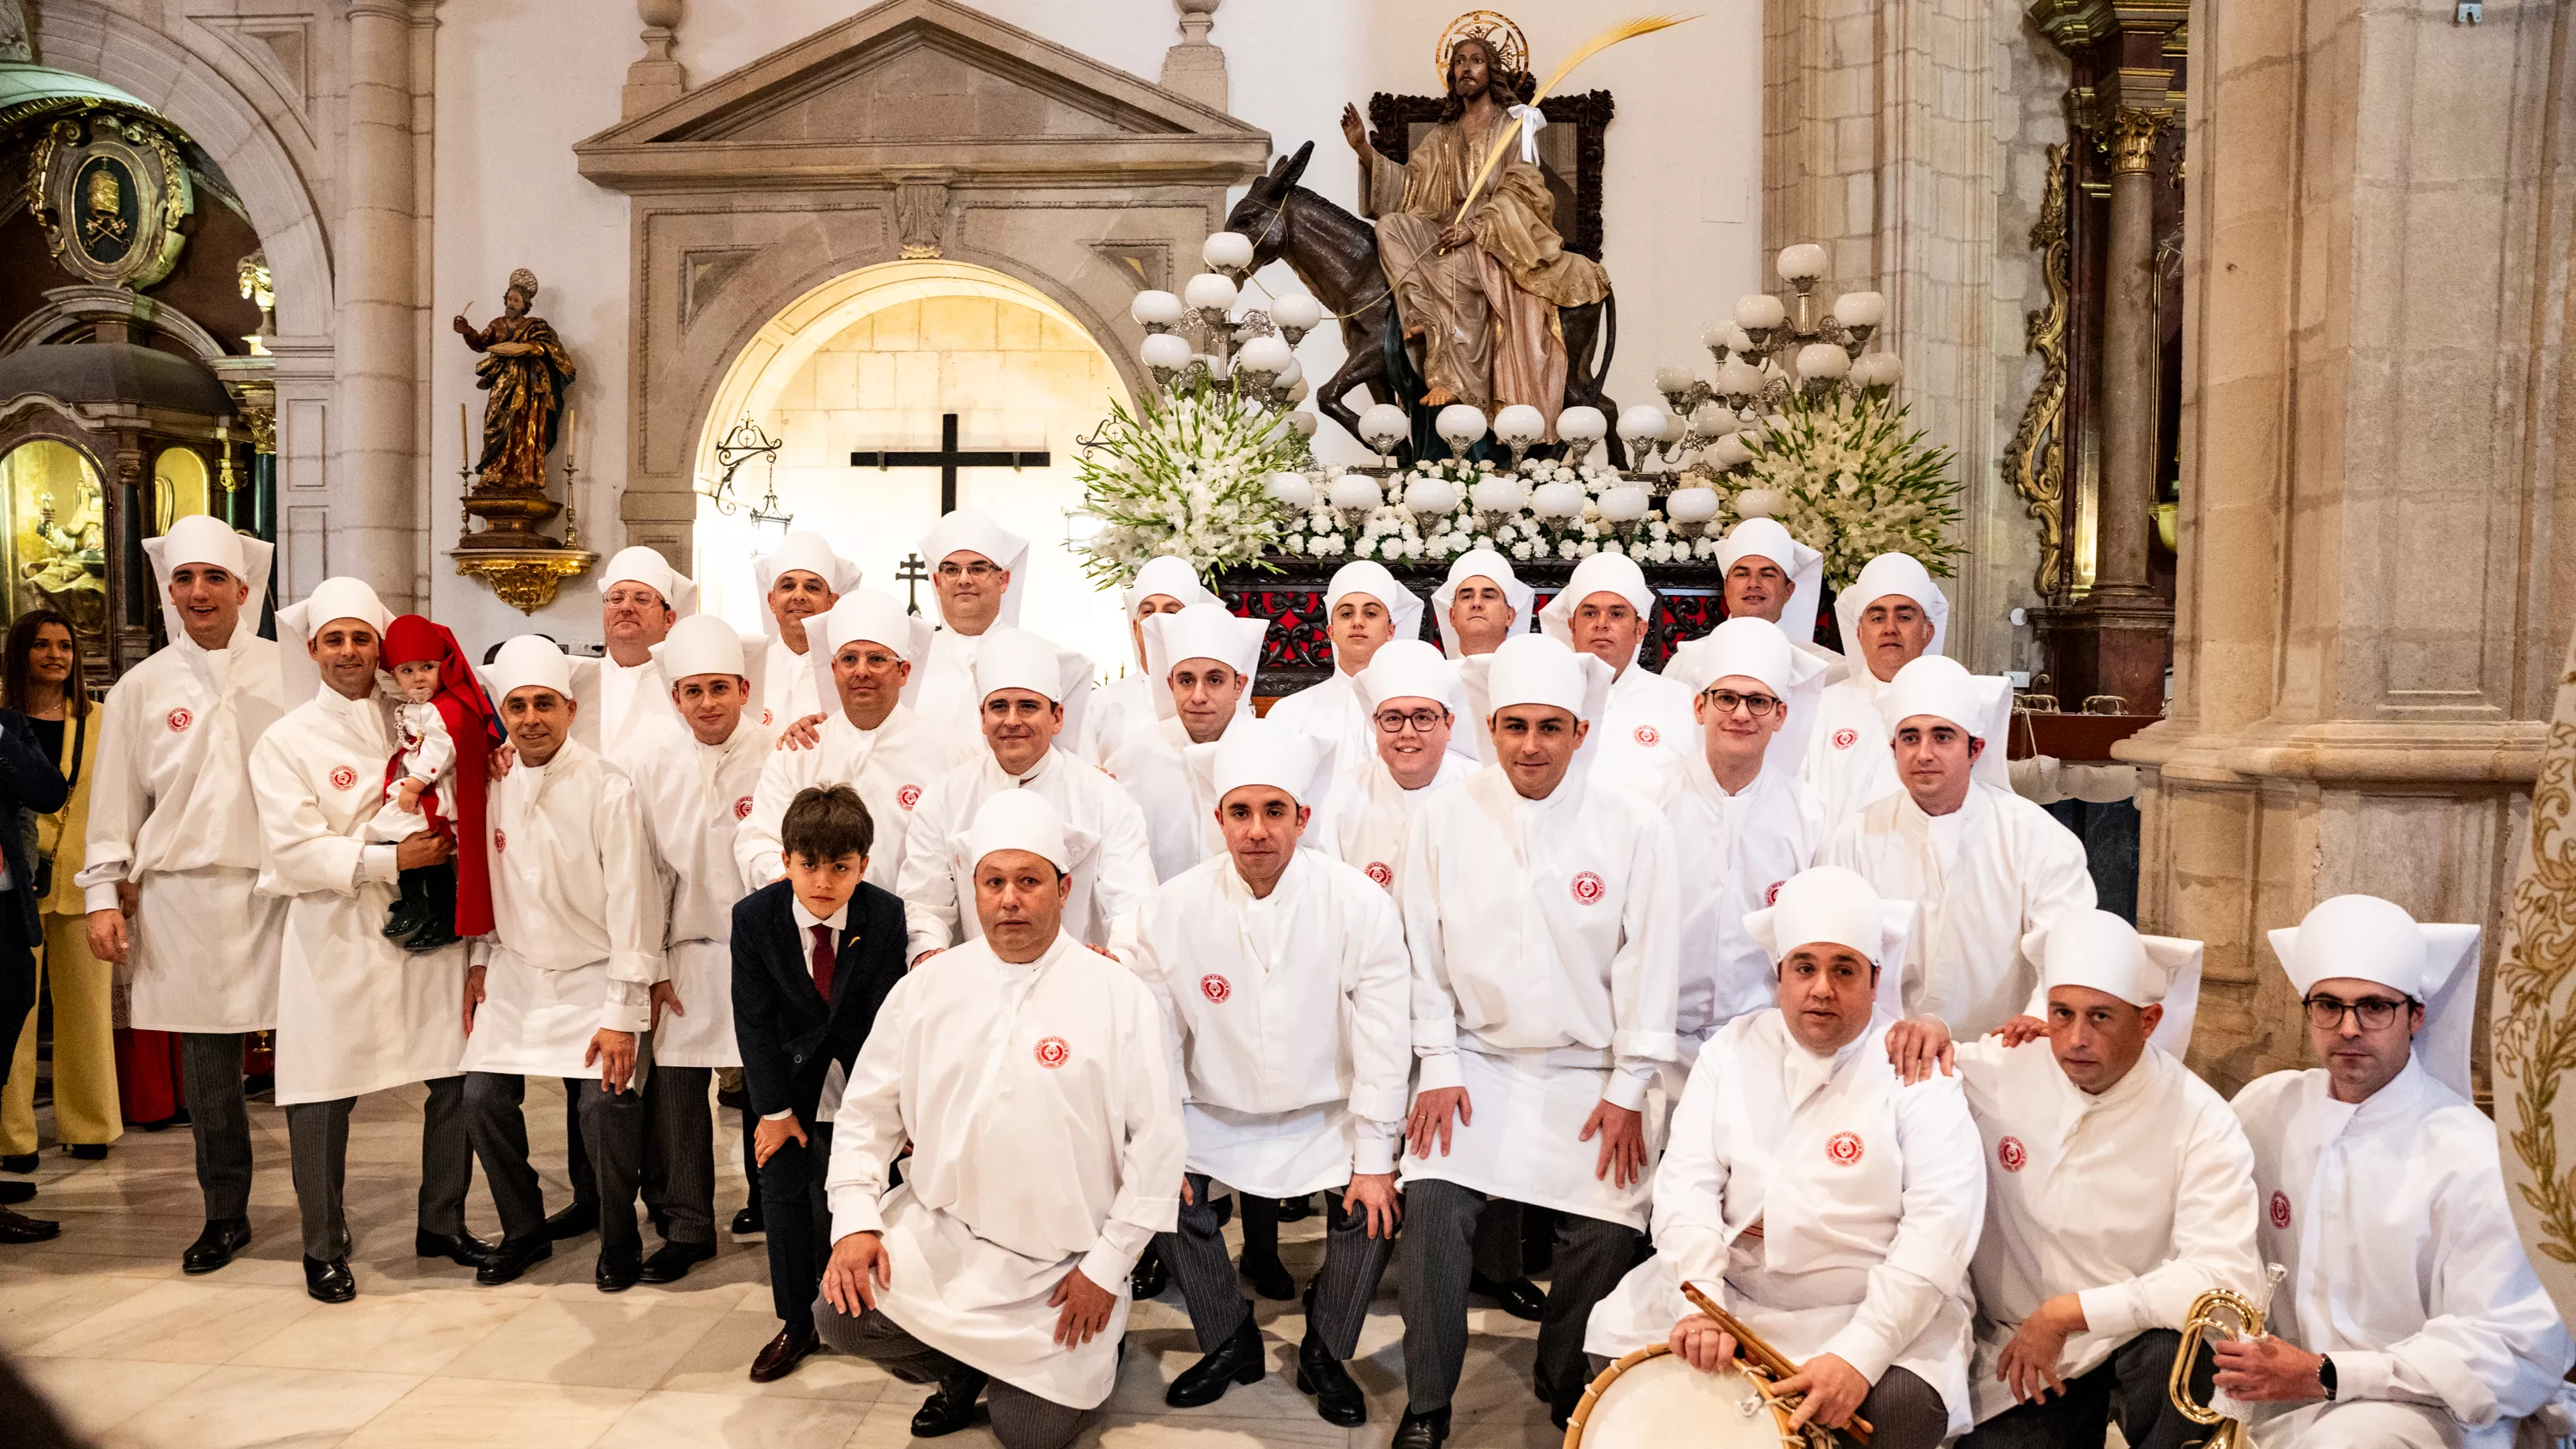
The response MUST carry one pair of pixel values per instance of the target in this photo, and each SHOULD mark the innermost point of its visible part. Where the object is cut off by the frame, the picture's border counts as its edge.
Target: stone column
(2128, 488)
(372, 521)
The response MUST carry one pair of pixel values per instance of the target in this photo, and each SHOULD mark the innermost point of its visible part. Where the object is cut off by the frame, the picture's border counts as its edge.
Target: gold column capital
(2135, 130)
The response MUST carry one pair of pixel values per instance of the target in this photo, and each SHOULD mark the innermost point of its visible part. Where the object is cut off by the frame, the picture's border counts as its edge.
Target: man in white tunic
(356, 1013)
(562, 987)
(1743, 822)
(1414, 701)
(1770, 575)
(1285, 974)
(1364, 609)
(1030, 689)
(1861, 1276)
(1541, 912)
(1130, 704)
(1034, 1080)
(640, 597)
(2410, 1315)
(1206, 658)
(869, 657)
(979, 573)
(801, 580)
(695, 777)
(174, 843)
(1604, 612)
(1891, 616)
(1482, 603)
(1987, 865)
(2118, 1189)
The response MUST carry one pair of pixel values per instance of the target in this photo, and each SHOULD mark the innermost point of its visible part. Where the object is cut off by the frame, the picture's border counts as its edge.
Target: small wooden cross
(912, 572)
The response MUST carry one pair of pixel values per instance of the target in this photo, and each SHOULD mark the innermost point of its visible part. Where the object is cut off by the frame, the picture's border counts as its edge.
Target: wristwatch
(2326, 1376)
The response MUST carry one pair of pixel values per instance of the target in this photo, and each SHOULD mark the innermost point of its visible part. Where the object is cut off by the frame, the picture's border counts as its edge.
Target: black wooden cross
(948, 460)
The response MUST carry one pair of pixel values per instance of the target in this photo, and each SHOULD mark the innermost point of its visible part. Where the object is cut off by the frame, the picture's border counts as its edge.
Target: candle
(571, 425)
(464, 444)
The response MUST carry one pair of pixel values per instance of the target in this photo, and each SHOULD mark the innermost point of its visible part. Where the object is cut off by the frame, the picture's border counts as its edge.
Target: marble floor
(141, 1357)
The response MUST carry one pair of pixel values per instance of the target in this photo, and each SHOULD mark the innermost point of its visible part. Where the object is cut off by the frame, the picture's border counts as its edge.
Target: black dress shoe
(20, 1228)
(512, 1257)
(1560, 1408)
(14, 1193)
(1269, 1277)
(780, 1356)
(436, 936)
(1338, 1400)
(572, 1222)
(671, 1262)
(20, 1163)
(329, 1282)
(216, 1246)
(748, 1225)
(406, 916)
(463, 1249)
(1150, 1276)
(1520, 1298)
(1238, 1360)
(617, 1272)
(1296, 1209)
(951, 1407)
(89, 1151)
(1422, 1431)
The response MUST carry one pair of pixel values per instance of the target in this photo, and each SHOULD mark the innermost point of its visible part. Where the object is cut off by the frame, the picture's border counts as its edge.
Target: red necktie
(823, 960)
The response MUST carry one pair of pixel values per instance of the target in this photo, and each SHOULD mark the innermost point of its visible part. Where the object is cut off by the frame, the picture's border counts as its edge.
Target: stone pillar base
(2108, 645)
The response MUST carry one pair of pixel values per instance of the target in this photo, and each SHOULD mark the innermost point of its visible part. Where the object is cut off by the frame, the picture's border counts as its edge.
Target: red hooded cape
(474, 726)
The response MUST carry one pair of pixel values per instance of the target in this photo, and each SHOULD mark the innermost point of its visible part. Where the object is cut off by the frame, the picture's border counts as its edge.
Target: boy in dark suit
(813, 957)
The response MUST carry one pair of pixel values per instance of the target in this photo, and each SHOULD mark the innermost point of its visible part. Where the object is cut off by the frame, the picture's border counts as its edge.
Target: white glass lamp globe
(1168, 350)
(1623, 504)
(1730, 452)
(1354, 490)
(1263, 354)
(1292, 490)
(1155, 309)
(1227, 249)
(1384, 425)
(1557, 500)
(1209, 292)
(1860, 309)
(1739, 378)
(1645, 420)
(1303, 421)
(1499, 493)
(1297, 310)
(1823, 360)
(1290, 376)
(1460, 424)
(1431, 495)
(1760, 310)
(1672, 379)
(1714, 420)
(1801, 263)
(1519, 425)
(1691, 505)
(1582, 425)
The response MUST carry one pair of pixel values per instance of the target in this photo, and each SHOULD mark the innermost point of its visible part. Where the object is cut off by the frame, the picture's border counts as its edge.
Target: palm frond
(1624, 30)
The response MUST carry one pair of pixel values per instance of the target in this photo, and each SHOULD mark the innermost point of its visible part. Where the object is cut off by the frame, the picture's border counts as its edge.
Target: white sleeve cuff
(2360, 1375)
(854, 1210)
(787, 1115)
(377, 863)
(2111, 1310)
(1626, 1089)
(99, 897)
(1438, 1070)
(1373, 1154)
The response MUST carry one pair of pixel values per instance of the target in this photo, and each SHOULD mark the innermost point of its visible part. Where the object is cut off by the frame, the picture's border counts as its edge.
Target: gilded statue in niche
(527, 372)
(58, 534)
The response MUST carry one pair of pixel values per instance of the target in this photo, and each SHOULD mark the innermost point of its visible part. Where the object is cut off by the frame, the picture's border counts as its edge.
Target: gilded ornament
(110, 194)
(527, 372)
(2035, 461)
(525, 578)
(2135, 130)
(1490, 26)
(2533, 1011)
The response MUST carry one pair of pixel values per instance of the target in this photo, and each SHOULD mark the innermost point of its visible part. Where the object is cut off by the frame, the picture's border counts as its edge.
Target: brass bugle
(1763, 1355)
(2198, 1325)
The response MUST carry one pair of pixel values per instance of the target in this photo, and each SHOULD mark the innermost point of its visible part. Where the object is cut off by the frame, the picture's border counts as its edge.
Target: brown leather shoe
(782, 1354)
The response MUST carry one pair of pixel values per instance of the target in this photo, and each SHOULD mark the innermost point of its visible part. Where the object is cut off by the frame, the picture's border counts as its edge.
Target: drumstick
(1763, 1355)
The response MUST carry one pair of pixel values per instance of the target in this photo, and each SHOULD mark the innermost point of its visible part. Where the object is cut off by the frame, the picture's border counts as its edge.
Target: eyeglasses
(2374, 1013)
(976, 570)
(1423, 721)
(1727, 701)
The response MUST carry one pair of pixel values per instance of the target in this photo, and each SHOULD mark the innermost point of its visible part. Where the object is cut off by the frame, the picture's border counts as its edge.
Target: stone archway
(919, 130)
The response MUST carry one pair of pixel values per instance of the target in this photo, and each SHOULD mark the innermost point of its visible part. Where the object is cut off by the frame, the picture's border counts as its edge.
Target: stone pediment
(922, 83)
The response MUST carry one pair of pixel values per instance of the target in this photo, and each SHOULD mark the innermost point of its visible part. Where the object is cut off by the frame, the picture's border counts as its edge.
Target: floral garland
(1184, 475)
(1393, 532)
(1848, 479)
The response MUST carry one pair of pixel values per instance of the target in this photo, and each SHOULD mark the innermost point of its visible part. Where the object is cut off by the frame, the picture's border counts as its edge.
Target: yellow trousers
(85, 1105)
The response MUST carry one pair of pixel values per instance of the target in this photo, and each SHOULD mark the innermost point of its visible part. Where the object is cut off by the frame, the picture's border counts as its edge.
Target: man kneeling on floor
(1034, 1079)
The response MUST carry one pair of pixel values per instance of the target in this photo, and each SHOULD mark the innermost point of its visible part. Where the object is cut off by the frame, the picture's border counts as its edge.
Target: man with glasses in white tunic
(2410, 1316)
(1892, 615)
(173, 859)
(800, 581)
(979, 574)
(625, 694)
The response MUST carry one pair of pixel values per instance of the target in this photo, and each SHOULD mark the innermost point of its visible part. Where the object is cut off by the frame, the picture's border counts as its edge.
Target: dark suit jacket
(28, 781)
(789, 1035)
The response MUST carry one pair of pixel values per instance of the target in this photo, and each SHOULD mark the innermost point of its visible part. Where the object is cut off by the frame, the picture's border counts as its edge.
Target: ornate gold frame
(525, 578)
(2034, 463)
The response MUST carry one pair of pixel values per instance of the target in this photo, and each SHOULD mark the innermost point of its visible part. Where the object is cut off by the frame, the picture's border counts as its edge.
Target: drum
(1652, 1400)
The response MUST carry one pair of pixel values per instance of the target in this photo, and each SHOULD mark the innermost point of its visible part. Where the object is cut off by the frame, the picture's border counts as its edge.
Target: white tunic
(1989, 871)
(2404, 1261)
(1294, 1018)
(2139, 1200)
(576, 912)
(171, 808)
(1646, 724)
(1544, 942)
(1113, 867)
(1058, 1074)
(1869, 1193)
(696, 798)
(1180, 826)
(356, 1013)
(1733, 852)
(787, 688)
(1848, 764)
(947, 697)
(630, 702)
(1372, 813)
(1332, 710)
(1120, 709)
(889, 766)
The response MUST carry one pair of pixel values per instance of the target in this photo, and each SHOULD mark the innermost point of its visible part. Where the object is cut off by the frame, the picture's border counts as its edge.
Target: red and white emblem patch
(1844, 1148)
(1381, 872)
(1052, 1052)
(2012, 1154)
(1845, 739)
(1588, 888)
(1771, 893)
(180, 719)
(2280, 1209)
(1649, 736)
(500, 841)
(343, 778)
(768, 718)
(908, 796)
(1215, 988)
(742, 808)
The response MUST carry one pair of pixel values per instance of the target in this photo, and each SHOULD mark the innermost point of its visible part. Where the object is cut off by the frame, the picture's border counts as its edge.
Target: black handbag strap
(80, 745)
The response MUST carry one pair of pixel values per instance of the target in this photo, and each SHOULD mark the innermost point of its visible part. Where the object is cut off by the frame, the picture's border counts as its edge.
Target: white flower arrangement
(1853, 483)
(1394, 533)
(1185, 475)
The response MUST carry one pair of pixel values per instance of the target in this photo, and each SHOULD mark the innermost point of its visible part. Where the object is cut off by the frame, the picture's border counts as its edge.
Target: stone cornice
(2376, 753)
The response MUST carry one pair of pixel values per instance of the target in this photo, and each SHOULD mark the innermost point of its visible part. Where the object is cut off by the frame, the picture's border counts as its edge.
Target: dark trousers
(683, 1154)
(1440, 1218)
(613, 1129)
(585, 1187)
(17, 979)
(210, 1068)
(1021, 1420)
(317, 1135)
(2132, 1383)
(799, 1221)
(1195, 1252)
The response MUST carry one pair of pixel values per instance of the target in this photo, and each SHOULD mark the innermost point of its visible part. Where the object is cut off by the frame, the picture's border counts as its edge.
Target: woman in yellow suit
(40, 677)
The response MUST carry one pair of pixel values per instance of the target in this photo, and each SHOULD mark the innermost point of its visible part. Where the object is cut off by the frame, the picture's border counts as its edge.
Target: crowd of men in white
(1756, 959)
